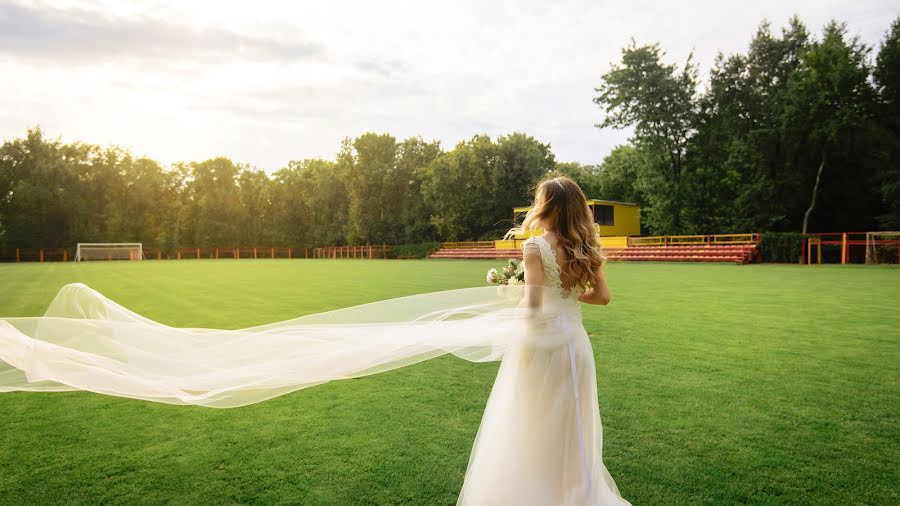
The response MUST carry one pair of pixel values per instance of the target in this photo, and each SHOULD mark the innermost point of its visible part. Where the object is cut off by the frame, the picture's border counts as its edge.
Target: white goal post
(109, 251)
(882, 247)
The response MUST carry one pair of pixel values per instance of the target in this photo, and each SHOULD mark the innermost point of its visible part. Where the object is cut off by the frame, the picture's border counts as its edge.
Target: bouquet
(512, 274)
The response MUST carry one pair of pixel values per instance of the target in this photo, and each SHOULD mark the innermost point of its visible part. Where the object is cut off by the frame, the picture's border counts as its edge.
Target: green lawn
(719, 384)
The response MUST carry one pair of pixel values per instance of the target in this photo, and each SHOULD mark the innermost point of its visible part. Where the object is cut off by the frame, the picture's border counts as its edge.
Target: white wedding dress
(540, 439)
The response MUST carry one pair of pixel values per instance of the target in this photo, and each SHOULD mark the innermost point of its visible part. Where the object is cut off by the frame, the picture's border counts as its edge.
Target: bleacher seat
(739, 253)
(477, 253)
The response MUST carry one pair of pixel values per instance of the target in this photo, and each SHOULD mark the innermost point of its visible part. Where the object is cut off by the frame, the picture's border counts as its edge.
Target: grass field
(719, 384)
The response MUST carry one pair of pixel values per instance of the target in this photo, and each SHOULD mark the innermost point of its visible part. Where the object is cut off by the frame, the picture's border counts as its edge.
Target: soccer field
(719, 384)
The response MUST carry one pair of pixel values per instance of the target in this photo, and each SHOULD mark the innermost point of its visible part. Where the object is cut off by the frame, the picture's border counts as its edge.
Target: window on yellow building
(603, 215)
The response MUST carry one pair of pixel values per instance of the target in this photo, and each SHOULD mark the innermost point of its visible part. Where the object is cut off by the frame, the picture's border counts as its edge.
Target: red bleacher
(737, 253)
(477, 253)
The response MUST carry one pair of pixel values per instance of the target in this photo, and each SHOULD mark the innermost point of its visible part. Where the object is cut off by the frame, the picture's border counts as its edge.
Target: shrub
(782, 247)
(418, 250)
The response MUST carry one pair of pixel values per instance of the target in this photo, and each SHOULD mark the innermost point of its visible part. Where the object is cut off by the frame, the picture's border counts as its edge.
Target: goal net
(882, 247)
(109, 251)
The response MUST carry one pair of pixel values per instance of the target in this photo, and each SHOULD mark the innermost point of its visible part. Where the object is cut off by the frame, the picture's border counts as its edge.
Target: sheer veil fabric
(540, 438)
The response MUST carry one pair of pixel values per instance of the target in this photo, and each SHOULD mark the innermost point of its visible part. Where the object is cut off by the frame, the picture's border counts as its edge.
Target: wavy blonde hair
(561, 205)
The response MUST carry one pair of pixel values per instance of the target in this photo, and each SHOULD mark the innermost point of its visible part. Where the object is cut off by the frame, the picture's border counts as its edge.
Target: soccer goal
(109, 251)
(882, 247)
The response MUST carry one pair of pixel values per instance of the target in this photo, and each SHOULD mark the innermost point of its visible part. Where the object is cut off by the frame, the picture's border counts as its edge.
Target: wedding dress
(540, 439)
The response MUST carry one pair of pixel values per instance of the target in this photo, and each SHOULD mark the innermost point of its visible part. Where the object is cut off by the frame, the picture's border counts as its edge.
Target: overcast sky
(268, 82)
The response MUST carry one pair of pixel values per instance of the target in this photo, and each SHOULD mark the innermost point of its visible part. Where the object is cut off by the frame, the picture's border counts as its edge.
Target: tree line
(797, 132)
(377, 190)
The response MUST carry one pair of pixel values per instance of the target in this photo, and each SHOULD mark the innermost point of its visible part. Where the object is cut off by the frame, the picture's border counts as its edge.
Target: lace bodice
(551, 266)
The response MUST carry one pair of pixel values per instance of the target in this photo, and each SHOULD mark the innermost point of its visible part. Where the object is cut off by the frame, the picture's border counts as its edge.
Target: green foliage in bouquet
(512, 274)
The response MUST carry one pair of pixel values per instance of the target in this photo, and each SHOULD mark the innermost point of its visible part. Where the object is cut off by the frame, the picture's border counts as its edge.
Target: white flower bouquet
(512, 274)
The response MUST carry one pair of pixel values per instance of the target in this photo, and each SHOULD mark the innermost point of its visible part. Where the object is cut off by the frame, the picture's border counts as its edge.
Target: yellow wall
(614, 242)
(626, 221)
(606, 242)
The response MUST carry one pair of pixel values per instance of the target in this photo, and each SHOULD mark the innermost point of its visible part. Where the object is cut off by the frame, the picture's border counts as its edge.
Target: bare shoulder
(551, 238)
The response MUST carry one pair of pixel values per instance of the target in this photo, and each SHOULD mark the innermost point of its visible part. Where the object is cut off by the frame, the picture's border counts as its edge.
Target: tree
(619, 177)
(738, 153)
(474, 187)
(411, 210)
(829, 105)
(42, 190)
(459, 188)
(587, 177)
(521, 162)
(214, 211)
(887, 79)
(311, 204)
(658, 100)
(368, 165)
(255, 197)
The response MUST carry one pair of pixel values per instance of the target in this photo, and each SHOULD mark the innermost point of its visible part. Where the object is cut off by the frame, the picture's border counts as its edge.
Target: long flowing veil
(85, 341)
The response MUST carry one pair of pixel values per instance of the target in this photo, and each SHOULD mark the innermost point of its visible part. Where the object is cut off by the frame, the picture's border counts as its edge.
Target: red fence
(36, 255)
(367, 251)
(64, 254)
(851, 245)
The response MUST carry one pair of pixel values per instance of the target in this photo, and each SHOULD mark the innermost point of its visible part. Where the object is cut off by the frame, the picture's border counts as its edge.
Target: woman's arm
(534, 277)
(598, 294)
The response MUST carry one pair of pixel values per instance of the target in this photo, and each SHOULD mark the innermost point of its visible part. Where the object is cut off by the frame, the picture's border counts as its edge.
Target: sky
(267, 82)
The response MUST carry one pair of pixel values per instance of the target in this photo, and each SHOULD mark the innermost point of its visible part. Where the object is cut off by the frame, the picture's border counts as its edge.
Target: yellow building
(616, 221)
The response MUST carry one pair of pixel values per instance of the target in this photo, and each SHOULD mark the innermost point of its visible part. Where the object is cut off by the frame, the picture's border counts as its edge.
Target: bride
(540, 438)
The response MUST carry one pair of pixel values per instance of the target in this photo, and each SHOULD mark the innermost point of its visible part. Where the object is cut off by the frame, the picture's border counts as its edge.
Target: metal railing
(735, 239)
(695, 240)
(647, 241)
(467, 244)
(686, 240)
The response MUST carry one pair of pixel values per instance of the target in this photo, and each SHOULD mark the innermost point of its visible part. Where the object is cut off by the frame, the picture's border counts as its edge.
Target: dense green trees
(377, 190)
(53, 193)
(798, 132)
(473, 188)
(886, 138)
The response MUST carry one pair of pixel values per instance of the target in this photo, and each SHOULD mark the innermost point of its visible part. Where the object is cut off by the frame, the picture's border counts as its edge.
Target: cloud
(269, 82)
(83, 36)
(385, 69)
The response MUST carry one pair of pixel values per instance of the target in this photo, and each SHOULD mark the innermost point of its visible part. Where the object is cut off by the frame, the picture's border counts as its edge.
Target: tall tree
(311, 204)
(368, 166)
(742, 170)
(619, 177)
(475, 186)
(887, 79)
(521, 161)
(459, 188)
(257, 220)
(42, 191)
(659, 101)
(214, 212)
(409, 208)
(829, 104)
(587, 177)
